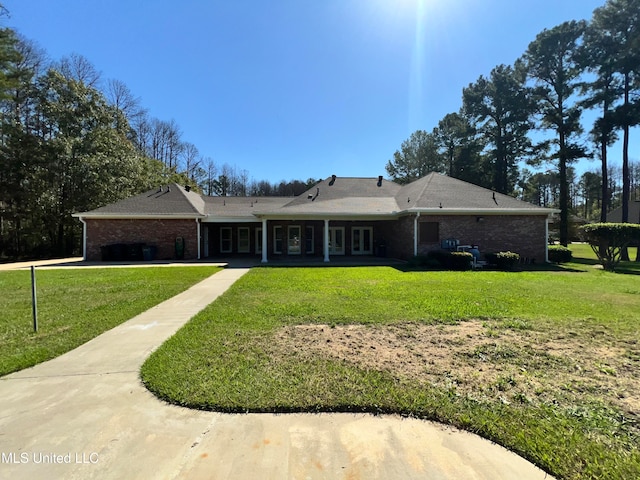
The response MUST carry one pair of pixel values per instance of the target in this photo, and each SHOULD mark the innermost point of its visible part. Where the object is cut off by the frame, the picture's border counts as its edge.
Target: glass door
(361, 240)
(294, 241)
(336, 240)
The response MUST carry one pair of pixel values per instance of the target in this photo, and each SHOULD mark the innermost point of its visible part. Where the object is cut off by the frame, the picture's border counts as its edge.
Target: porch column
(84, 238)
(199, 238)
(415, 235)
(264, 240)
(325, 246)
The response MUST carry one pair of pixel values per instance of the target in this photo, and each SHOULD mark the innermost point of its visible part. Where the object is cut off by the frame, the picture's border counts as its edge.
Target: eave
(482, 211)
(114, 216)
(328, 216)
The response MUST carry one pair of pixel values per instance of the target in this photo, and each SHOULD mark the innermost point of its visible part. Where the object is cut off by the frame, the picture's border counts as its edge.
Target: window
(336, 240)
(244, 242)
(361, 240)
(259, 240)
(308, 240)
(294, 242)
(277, 239)
(429, 232)
(226, 244)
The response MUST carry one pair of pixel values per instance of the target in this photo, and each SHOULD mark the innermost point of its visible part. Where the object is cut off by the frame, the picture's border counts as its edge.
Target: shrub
(559, 254)
(444, 259)
(460, 261)
(424, 261)
(503, 260)
(608, 240)
(439, 257)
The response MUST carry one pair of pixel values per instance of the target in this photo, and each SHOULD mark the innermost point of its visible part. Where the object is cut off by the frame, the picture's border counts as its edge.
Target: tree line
(71, 142)
(529, 115)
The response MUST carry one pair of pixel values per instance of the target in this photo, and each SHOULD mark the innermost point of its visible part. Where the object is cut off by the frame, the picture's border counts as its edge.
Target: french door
(336, 240)
(362, 240)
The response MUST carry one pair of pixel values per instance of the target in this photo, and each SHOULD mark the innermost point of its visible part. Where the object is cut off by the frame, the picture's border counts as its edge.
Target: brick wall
(523, 234)
(160, 233)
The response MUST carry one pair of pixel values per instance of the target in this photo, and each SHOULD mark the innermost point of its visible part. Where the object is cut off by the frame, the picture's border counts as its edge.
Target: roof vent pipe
(187, 188)
(379, 180)
(333, 180)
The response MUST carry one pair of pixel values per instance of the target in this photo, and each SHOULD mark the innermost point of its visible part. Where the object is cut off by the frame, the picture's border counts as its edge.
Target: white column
(264, 240)
(326, 240)
(415, 235)
(84, 238)
(198, 234)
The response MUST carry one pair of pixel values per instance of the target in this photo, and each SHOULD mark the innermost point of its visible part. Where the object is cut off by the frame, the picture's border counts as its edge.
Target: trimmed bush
(460, 261)
(608, 240)
(443, 259)
(439, 258)
(559, 254)
(503, 260)
(424, 261)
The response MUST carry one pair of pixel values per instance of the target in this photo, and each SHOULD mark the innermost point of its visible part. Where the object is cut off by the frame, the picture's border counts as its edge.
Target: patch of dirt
(483, 360)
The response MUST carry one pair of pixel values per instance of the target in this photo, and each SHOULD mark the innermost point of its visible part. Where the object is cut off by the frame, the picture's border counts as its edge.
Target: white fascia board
(136, 217)
(331, 216)
(215, 219)
(473, 211)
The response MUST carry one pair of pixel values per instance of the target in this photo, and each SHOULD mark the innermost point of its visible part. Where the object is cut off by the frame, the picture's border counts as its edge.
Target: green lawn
(76, 305)
(543, 362)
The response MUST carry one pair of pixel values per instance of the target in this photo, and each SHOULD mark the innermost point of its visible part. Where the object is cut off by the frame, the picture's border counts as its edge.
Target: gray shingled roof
(171, 200)
(634, 213)
(236, 207)
(335, 197)
(345, 196)
(436, 191)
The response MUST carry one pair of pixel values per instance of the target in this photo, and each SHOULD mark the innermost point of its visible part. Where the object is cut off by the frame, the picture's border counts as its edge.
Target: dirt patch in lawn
(484, 360)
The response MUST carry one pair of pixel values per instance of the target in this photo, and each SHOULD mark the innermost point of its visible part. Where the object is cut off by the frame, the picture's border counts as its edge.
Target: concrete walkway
(86, 415)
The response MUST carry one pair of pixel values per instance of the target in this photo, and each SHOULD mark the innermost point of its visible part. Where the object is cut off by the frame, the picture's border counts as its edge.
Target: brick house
(337, 217)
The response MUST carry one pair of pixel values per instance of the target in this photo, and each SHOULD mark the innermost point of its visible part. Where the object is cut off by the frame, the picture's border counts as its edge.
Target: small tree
(609, 240)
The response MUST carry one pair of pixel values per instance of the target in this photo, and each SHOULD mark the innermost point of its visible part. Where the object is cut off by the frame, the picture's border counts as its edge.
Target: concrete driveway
(86, 415)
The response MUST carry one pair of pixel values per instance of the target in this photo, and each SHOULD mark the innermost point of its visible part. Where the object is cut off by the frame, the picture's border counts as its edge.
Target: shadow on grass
(624, 268)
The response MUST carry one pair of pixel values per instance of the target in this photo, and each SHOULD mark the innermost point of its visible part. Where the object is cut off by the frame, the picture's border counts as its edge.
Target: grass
(562, 344)
(76, 305)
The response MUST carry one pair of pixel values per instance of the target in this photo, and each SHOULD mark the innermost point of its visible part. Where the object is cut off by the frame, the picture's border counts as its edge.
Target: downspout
(415, 234)
(199, 239)
(546, 240)
(84, 238)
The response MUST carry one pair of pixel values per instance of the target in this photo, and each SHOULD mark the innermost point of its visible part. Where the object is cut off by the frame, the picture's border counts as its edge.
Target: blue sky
(293, 89)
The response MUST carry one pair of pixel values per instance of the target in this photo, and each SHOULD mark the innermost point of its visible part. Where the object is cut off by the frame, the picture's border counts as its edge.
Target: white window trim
(222, 230)
(362, 252)
(331, 248)
(275, 239)
(289, 229)
(312, 239)
(247, 248)
(259, 240)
